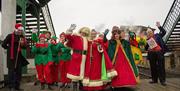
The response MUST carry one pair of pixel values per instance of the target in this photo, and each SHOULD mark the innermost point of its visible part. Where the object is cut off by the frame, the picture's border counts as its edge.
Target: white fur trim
(112, 74)
(94, 83)
(100, 49)
(85, 47)
(85, 81)
(82, 65)
(73, 77)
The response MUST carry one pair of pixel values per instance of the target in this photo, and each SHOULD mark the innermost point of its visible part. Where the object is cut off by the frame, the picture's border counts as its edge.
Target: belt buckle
(84, 52)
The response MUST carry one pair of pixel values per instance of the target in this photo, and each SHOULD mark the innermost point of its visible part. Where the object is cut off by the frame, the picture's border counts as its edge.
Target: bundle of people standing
(89, 60)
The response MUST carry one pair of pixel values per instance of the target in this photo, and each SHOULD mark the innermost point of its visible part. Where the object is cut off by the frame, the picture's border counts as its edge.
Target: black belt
(84, 52)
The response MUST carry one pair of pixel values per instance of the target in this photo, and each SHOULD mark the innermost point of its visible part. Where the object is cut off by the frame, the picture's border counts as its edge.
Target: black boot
(49, 87)
(62, 85)
(42, 86)
(75, 88)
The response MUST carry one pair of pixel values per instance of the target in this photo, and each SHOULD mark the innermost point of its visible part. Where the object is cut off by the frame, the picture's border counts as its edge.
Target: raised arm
(162, 30)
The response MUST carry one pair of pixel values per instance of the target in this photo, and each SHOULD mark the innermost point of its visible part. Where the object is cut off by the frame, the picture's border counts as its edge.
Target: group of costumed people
(87, 58)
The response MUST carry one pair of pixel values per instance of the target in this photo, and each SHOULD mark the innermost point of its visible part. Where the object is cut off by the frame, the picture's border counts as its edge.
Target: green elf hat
(54, 38)
(131, 34)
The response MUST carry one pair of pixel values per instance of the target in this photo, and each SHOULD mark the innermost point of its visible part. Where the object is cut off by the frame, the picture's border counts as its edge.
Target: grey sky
(101, 14)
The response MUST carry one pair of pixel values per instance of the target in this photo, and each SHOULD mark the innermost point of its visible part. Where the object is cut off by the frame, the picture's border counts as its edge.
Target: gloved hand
(34, 30)
(106, 32)
(71, 28)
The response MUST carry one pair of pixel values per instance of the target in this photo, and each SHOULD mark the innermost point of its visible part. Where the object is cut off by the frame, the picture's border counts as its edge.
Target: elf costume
(65, 55)
(63, 65)
(43, 61)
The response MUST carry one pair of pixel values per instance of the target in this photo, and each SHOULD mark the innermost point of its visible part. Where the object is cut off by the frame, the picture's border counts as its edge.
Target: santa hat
(42, 36)
(19, 26)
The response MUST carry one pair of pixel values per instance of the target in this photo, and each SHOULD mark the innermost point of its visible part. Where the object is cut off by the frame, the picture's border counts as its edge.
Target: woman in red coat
(98, 69)
(126, 76)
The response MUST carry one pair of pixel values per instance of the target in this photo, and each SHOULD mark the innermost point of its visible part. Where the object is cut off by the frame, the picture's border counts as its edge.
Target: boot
(62, 85)
(42, 86)
(49, 87)
(11, 89)
(75, 86)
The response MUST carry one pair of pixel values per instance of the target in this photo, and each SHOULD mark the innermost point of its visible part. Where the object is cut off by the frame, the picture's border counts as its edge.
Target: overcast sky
(101, 14)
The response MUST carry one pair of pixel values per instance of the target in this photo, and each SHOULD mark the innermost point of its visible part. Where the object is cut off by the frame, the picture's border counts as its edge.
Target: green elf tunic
(56, 49)
(43, 54)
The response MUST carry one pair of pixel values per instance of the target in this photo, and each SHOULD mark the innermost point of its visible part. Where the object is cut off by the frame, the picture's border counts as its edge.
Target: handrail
(48, 19)
(172, 19)
(169, 12)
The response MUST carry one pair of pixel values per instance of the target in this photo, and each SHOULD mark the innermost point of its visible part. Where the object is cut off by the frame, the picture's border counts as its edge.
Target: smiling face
(93, 34)
(53, 41)
(42, 40)
(122, 35)
(62, 38)
(150, 33)
(83, 34)
(116, 36)
(48, 35)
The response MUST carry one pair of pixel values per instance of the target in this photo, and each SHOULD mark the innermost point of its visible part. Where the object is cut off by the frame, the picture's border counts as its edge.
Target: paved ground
(173, 84)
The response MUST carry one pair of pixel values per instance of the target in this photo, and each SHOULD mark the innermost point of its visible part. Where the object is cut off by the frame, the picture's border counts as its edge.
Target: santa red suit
(79, 45)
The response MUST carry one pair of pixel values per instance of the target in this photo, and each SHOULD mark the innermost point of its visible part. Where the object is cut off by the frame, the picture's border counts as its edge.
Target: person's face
(42, 40)
(62, 38)
(141, 34)
(20, 32)
(48, 36)
(83, 34)
(122, 35)
(117, 36)
(53, 41)
(149, 33)
(93, 34)
(101, 36)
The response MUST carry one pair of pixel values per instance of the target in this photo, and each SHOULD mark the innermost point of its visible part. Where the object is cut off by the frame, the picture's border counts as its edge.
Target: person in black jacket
(156, 49)
(14, 42)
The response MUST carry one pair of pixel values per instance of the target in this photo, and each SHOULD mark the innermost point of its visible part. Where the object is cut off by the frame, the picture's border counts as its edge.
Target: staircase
(172, 26)
(46, 24)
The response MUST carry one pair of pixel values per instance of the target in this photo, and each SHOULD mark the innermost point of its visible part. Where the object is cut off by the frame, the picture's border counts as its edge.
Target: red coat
(93, 68)
(79, 46)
